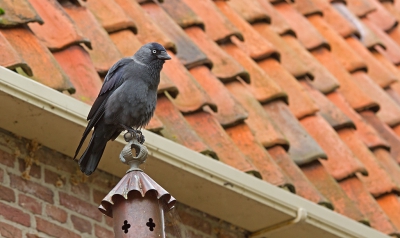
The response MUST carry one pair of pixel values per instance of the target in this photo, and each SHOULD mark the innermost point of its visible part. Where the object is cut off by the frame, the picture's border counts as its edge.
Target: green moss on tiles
(2, 12)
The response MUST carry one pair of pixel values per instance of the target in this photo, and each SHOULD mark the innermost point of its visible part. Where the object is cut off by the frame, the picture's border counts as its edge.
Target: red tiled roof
(303, 95)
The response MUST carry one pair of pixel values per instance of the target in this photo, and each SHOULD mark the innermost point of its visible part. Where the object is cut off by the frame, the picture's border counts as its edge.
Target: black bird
(126, 101)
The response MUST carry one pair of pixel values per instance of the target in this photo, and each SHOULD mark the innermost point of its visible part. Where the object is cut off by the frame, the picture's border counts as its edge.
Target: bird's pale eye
(154, 51)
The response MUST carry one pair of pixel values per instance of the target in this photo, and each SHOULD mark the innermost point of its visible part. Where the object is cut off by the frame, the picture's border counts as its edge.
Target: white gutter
(34, 111)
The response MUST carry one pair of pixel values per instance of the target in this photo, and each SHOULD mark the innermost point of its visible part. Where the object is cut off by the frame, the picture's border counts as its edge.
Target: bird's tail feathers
(92, 155)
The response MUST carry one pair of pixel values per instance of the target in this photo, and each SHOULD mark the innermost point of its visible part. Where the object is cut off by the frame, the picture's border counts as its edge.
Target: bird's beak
(164, 55)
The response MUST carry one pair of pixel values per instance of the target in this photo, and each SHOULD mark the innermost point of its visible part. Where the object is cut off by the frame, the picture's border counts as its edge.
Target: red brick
(229, 234)
(102, 232)
(54, 230)
(32, 188)
(30, 235)
(81, 225)
(9, 231)
(109, 221)
(31, 204)
(52, 178)
(56, 160)
(7, 159)
(1, 175)
(7, 194)
(196, 222)
(98, 196)
(15, 215)
(56, 213)
(81, 190)
(79, 206)
(35, 169)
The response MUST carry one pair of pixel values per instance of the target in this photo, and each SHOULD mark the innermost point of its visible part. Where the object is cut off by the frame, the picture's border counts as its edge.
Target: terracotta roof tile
(224, 67)
(327, 185)
(393, 94)
(278, 22)
(367, 37)
(251, 11)
(385, 131)
(177, 129)
(392, 51)
(391, 8)
(148, 31)
(259, 120)
(303, 148)
(18, 13)
(288, 56)
(388, 163)
(110, 15)
(56, 35)
(378, 180)
(338, 22)
(166, 85)
(45, 68)
(126, 41)
(364, 130)
(332, 114)
(208, 128)
(381, 75)
(389, 110)
(155, 125)
(390, 204)
(182, 14)
(301, 183)
(192, 96)
(229, 112)
(341, 161)
(322, 79)
(264, 89)
(358, 193)
(76, 63)
(217, 26)
(382, 17)
(269, 170)
(254, 45)
(360, 7)
(346, 55)
(9, 57)
(186, 51)
(300, 103)
(307, 7)
(355, 96)
(305, 32)
(104, 53)
(394, 69)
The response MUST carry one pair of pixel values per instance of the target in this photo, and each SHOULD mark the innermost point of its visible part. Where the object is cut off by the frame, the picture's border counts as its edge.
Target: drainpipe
(137, 203)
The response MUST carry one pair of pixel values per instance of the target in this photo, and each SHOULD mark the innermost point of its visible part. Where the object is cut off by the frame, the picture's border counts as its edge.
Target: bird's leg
(138, 134)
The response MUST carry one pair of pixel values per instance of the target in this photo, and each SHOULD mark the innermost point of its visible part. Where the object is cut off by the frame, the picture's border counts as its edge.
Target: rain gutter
(34, 111)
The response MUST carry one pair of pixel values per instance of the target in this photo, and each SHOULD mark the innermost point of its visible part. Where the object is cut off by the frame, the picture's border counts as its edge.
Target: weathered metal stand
(137, 203)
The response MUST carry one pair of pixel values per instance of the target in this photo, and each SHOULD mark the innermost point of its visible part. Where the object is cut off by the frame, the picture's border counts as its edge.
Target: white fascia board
(34, 111)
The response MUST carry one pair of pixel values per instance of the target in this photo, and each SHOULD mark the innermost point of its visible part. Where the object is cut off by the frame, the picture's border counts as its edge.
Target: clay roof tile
(10, 58)
(59, 34)
(224, 67)
(341, 161)
(307, 7)
(382, 17)
(187, 52)
(217, 26)
(259, 121)
(278, 22)
(390, 204)
(17, 13)
(303, 148)
(254, 45)
(104, 53)
(148, 30)
(360, 7)
(301, 183)
(192, 97)
(177, 129)
(251, 11)
(182, 14)
(110, 15)
(230, 112)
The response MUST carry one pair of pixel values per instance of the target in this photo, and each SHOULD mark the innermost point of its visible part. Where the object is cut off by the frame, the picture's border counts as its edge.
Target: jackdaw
(126, 101)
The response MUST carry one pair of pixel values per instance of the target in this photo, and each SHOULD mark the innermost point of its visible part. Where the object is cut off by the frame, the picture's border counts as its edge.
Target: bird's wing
(113, 80)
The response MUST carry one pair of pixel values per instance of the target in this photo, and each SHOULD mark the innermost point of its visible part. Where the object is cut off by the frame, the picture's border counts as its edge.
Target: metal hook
(126, 155)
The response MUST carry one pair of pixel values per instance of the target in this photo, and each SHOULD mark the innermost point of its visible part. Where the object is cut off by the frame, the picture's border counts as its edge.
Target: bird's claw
(137, 133)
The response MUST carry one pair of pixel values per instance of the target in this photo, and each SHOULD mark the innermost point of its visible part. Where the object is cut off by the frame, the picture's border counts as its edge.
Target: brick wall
(43, 193)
